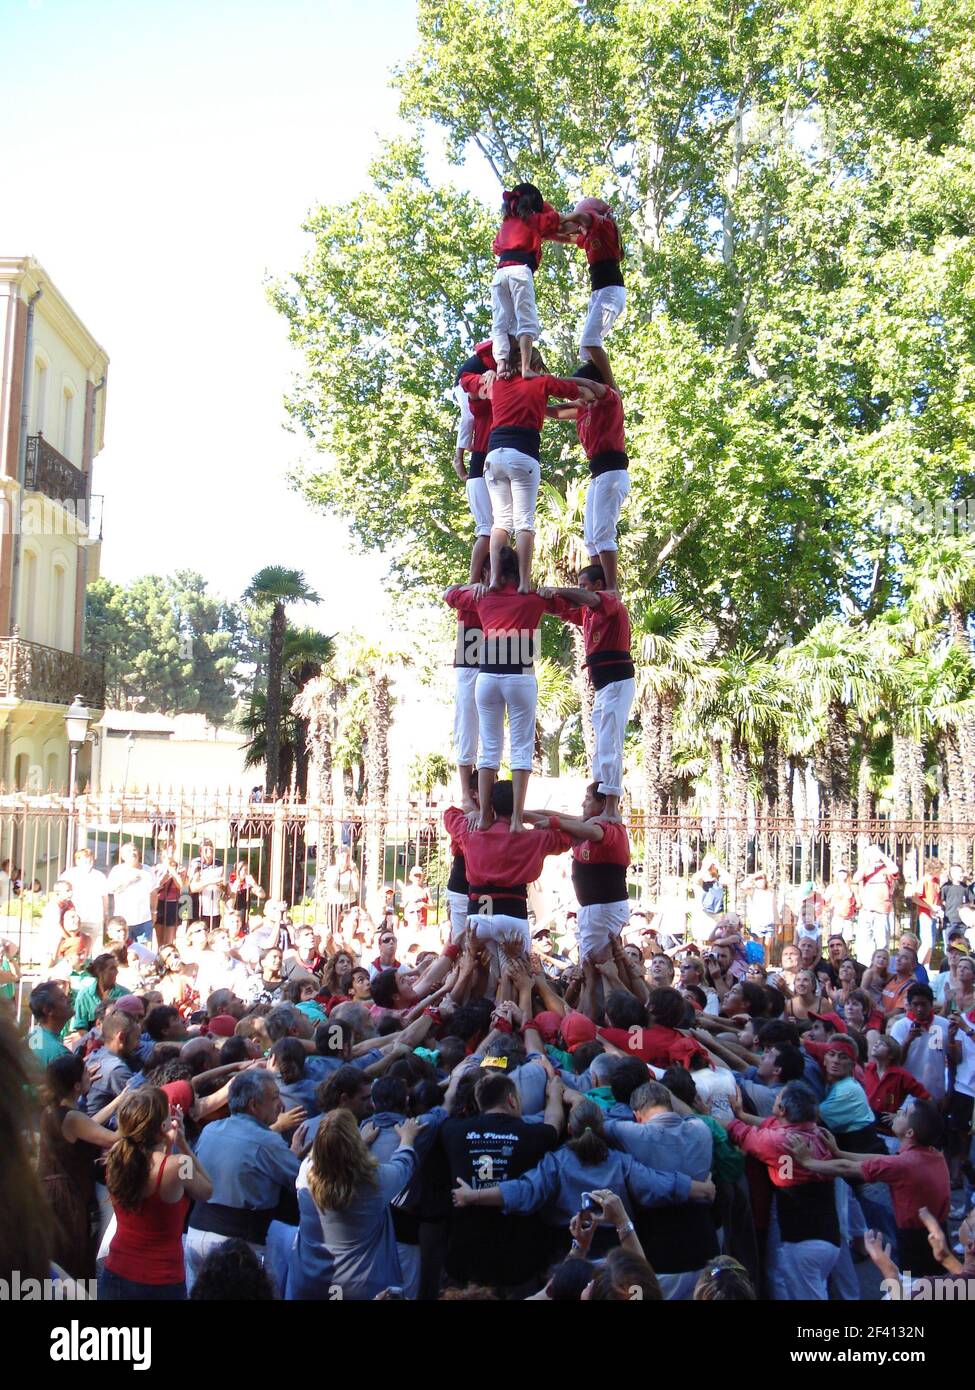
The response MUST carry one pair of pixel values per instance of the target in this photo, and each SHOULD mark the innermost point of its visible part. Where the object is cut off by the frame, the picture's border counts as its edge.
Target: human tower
(506, 395)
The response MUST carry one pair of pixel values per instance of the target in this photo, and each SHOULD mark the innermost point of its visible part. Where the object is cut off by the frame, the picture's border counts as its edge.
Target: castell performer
(458, 888)
(467, 663)
(472, 437)
(512, 467)
(605, 625)
(601, 430)
(505, 679)
(526, 221)
(600, 858)
(599, 237)
(500, 865)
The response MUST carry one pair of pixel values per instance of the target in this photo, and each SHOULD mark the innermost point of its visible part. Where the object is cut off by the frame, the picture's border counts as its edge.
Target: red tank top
(147, 1247)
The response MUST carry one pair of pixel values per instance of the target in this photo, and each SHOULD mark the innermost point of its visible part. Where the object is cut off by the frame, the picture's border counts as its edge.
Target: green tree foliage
(795, 183)
(169, 645)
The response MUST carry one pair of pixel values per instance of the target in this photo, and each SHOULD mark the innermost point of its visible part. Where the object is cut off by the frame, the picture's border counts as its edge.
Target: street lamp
(76, 720)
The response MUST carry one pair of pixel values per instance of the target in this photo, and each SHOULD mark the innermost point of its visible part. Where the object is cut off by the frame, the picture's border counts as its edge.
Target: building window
(39, 395)
(59, 614)
(67, 423)
(53, 772)
(21, 771)
(28, 614)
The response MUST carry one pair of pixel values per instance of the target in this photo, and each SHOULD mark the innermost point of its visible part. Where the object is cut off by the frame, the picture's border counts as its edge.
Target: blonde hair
(340, 1162)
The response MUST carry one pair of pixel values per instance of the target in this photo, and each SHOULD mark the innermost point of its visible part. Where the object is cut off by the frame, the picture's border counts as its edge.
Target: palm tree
(674, 644)
(743, 699)
(835, 672)
(372, 665)
(305, 653)
(943, 584)
(557, 700)
(274, 587)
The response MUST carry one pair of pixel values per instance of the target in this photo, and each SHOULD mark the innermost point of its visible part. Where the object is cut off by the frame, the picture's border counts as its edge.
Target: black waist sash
(457, 882)
(608, 461)
(607, 666)
(239, 1222)
(603, 273)
(511, 899)
(528, 258)
(598, 883)
(808, 1212)
(475, 466)
(520, 437)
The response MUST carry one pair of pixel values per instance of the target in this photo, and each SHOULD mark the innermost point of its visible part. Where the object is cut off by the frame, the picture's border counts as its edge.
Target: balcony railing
(49, 472)
(29, 671)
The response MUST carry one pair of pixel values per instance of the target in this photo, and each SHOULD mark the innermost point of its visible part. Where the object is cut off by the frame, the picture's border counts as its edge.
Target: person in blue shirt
(556, 1186)
(286, 1063)
(253, 1171)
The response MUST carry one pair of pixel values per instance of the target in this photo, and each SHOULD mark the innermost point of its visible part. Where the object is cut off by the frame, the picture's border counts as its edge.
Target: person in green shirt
(101, 987)
(50, 1008)
(9, 969)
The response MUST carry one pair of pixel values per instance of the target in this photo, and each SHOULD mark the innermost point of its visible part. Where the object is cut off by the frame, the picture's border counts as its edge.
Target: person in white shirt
(761, 910)
(134, 891)
(89, 893)
(218, 969)
(208, 881)
(923, 1037)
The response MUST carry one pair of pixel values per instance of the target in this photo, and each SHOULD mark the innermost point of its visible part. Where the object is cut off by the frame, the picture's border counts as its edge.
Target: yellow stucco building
(53, 376)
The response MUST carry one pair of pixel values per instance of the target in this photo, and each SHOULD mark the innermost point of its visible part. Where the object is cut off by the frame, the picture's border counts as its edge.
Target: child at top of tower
(591, 220)
(527, 220)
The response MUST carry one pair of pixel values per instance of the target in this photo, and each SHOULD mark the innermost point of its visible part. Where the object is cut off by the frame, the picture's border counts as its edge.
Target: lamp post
(76, 721)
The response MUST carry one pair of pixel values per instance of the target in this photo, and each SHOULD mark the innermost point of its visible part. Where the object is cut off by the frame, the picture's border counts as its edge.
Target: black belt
(514, 896)
(475, 467)
(608, 461)
(603, 273)
(521, 437)
(528, 258)
(239, 1222)
(607, 666)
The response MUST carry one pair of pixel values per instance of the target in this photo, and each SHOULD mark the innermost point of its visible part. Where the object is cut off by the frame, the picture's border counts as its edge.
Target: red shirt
(600, 426)
(887, 1093)
(502, 612)
(917, 1177)
(613, 848)
(521, 404)
(606, 628)
(767, 1143)
(497, 856)
(524, 235)
(661, 1047)
(147, 1247)
(601, 240)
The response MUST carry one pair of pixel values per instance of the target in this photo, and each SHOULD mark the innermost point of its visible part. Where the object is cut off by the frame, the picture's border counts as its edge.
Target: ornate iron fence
(289, 846)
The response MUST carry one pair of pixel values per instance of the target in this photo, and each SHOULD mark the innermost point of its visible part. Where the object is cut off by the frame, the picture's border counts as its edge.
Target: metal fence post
(276, 866)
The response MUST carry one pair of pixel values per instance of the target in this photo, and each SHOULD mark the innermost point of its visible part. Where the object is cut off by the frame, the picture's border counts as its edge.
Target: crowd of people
(690, 1103)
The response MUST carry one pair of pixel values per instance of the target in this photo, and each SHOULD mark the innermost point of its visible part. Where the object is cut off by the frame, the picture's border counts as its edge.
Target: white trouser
(479, 502)
(872, 931)
(198, 1244)
(512, 480)
(513, 308)
(610, 712)
(519, 695)
(605, 496)
(498, 926)
(465, 716)
(457, 903)
(596, 923)
(605, 307)
(925, 931)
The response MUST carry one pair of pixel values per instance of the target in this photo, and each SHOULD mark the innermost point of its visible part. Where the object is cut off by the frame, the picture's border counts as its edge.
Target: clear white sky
(162, 155)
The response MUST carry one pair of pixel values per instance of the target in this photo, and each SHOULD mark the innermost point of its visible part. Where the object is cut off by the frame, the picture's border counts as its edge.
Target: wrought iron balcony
(49, 472)
(30, 671)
